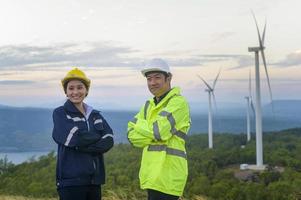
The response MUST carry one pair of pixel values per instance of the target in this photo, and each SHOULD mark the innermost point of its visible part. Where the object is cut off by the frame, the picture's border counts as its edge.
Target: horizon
(195, 108)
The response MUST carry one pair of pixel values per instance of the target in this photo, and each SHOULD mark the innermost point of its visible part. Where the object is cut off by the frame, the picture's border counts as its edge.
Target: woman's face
(76, 91)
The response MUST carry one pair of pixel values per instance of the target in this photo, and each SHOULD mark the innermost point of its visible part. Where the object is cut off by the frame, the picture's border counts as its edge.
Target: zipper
(87, 122)
(94, 165)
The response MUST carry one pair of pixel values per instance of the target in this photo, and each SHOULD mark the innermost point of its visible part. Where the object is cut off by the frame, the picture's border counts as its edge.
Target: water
(20, 157)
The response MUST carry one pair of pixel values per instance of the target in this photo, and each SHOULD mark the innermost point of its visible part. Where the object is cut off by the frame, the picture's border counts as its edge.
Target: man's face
(157, 83)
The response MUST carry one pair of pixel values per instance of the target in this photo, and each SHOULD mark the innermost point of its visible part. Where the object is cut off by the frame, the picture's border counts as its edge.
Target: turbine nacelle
(256, 49)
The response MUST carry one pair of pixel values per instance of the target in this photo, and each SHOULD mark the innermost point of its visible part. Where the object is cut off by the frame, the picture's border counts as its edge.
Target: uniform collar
(174, 91)
(161, 97)
(69, 106)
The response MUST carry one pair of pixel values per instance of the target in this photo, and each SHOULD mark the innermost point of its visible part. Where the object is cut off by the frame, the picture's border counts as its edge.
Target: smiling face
(158, 83)
(76, 91)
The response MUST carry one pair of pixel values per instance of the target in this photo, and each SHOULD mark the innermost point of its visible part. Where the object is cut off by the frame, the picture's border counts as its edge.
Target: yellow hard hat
(76, 74)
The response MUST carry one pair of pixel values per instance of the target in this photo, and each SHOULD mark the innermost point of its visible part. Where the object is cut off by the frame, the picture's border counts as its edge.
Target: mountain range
(29, 129)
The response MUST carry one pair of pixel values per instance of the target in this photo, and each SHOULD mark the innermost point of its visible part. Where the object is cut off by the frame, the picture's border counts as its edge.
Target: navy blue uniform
(81, 140)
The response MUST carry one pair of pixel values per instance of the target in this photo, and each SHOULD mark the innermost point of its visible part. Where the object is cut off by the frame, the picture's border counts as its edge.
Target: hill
(211, 171)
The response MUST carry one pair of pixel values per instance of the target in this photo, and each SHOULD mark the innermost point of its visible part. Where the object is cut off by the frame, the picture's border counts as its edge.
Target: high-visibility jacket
(161, 131)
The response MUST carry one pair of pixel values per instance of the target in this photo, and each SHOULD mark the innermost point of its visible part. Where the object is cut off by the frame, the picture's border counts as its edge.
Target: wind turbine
(211, 97)
(250, 107)
(256, 50)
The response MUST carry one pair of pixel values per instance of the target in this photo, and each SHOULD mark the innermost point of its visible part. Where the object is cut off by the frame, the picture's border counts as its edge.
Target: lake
(19, 157)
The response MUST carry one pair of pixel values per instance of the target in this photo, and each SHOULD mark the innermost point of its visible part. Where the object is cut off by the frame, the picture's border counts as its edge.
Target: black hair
(161, 72)
(66, 83)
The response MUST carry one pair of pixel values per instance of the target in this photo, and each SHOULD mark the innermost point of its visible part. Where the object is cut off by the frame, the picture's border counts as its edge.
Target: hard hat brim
(145, 71)
(87, 82)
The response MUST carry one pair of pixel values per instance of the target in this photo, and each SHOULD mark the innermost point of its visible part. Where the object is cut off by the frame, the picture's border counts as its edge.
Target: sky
(41, 40)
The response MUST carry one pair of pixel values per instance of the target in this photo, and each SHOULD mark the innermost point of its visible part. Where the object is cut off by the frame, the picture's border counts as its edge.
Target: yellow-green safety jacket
(161, 131)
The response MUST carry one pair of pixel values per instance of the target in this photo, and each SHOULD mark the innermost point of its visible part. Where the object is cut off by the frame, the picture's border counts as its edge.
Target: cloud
(98, 54)
(290, 60)
(7, 74)
(243, 61)
(280, 80)
(88, 54)
(199, 60)
(222, 36)
(16, 82)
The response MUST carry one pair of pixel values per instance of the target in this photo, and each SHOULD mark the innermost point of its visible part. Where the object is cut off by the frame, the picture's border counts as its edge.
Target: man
(160, 128)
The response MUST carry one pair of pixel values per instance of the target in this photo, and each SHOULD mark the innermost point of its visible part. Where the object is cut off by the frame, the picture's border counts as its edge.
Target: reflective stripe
(145, 109)
(181, 134)
(156, 131)
(76, 119)
(157, 147)
(134, 120)
(69, 137)
(98, 121)
(172, 122)
(176, 152)
(169, 151)
(164, 113)
(107, 135)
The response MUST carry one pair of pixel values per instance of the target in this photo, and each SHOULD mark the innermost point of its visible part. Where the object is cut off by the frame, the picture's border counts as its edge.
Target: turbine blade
(214, 83)
(252, 107)
(267, 74)
(259, 38)
(263, 34)
(250, 87)
(268, 80)
(208, 86)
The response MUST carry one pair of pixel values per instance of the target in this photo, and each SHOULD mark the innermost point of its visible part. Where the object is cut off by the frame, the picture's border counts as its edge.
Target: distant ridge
(4, 106)
(29, 128)
(285, 108)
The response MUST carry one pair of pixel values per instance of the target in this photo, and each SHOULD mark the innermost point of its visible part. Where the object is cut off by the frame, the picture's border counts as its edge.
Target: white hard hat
(156, 65)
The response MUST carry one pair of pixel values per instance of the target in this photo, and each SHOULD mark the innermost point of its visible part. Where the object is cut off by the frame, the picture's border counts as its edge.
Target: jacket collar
(174, 91)
(69, 106)
(161, 97)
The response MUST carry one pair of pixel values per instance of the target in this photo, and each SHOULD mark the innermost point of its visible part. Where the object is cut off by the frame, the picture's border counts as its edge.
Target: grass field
(104, 198)
(23, 198)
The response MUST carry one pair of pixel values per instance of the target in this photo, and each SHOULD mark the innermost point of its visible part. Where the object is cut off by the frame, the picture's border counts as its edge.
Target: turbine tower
(250, 107)
(256, 50)
(211, 97)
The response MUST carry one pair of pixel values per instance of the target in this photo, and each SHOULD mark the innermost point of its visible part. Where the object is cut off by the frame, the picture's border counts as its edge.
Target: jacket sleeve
(105, 143)
(136, 138)
(65, 132)
(174, 119)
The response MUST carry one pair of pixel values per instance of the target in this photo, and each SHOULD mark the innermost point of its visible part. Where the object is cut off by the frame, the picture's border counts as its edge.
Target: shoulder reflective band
(98, 121)
(145, 109)
(172, 122)
(156, 131)
(169, 151)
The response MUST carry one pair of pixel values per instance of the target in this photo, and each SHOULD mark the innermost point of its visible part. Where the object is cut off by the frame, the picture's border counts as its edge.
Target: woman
(82, 135)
